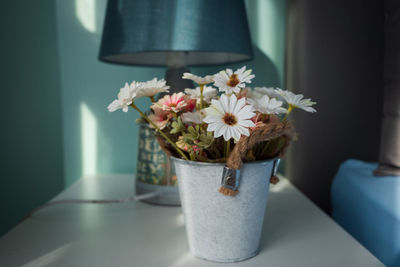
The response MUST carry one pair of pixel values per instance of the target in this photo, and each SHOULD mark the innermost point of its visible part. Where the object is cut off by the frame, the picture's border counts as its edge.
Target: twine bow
(262, 133)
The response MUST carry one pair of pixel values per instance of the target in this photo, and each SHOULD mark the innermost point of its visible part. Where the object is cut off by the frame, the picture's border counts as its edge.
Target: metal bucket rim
(200, 163)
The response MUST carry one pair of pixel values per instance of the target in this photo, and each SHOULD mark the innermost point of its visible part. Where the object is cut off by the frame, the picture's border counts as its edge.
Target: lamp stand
(173, 76)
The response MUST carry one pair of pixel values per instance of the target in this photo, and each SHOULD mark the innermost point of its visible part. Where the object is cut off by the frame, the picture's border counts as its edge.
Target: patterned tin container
(154, 171)
(223, 228)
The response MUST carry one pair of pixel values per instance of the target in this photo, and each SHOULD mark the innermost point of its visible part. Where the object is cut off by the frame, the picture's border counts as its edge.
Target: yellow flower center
(233, 80)
(229, 119)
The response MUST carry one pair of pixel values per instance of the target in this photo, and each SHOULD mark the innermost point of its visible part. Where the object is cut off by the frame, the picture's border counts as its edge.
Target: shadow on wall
(338, 63)
(31, 150)
(95, 140)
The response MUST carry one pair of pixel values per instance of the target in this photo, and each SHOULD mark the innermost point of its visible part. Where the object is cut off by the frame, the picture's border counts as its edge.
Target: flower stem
(228, 148)
(144, 116)
(201, 95)
(288, 112)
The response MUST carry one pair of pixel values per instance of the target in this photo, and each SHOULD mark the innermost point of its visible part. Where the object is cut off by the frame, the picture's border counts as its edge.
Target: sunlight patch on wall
(267, 23)
(266, 19)
(89, 141)
(85, 10)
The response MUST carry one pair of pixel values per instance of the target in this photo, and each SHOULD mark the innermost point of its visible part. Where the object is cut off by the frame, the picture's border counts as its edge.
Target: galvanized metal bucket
(223, 228)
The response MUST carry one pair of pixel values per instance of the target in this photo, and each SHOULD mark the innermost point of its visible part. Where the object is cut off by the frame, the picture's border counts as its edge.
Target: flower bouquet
(223, 135)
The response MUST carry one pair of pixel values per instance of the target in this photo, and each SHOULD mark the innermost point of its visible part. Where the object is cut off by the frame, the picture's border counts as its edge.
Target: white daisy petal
(212, 119)
(244, 115)
(217, 106)
(232, 104)
(235, 133)
(227, 134)
(267, 105)
(241, 70)
(115, 105)
(243, 130)
(229, 82)
(233, 119)
(220, 130)
(213, 126)
(149, 88)
(236, 89)
(224, 101)
(269, 91)
(197, 79)
(241, 103)
(296, 101)
(208, 93)
(124, 99)
(247, 123)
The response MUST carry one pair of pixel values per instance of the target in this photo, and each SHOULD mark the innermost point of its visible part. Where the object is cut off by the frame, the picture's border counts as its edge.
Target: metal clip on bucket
(230, 181)
(274, 179)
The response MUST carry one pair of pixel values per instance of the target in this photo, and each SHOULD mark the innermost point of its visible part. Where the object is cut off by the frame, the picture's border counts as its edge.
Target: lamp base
(169, 195)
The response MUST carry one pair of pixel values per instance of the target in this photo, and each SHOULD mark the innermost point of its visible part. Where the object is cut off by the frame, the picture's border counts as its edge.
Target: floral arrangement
(205, 123)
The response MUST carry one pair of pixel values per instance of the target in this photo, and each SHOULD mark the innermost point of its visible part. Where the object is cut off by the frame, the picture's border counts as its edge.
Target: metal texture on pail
(223, 228)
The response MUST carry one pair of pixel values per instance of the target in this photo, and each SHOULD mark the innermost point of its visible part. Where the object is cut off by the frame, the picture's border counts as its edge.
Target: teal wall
(97, 141)
(56, 94)
(31, 125)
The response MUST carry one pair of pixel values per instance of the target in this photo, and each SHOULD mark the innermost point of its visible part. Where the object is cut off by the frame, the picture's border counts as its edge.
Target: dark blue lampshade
(175, 32)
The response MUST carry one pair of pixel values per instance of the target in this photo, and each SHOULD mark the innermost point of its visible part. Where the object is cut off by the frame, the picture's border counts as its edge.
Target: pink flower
(196, 149)
(188, 147)
(264, 118)
(174, 103)
(160, 117)
(181, 144)
(191, 104)
(243, 93)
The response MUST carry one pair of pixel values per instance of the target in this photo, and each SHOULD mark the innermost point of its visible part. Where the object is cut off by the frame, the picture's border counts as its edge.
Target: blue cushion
(368, 207)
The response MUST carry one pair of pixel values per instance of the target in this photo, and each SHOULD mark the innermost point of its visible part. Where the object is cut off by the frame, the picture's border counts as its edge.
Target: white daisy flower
(296, 101)
(150, 88)
(229, 82)
(267, 105)
(197, 79)
(192, 117)
(208, 93)
(270, 91)
(125, 98)
(229, 117)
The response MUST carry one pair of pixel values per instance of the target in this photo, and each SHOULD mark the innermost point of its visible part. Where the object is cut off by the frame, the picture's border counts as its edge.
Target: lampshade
(175, 32)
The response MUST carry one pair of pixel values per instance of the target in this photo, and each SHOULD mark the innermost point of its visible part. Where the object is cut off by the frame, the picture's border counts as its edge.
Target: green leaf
(192, 131)
(177, 126)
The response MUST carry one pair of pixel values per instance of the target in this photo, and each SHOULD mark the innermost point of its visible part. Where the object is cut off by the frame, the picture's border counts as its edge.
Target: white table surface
(296, 233)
